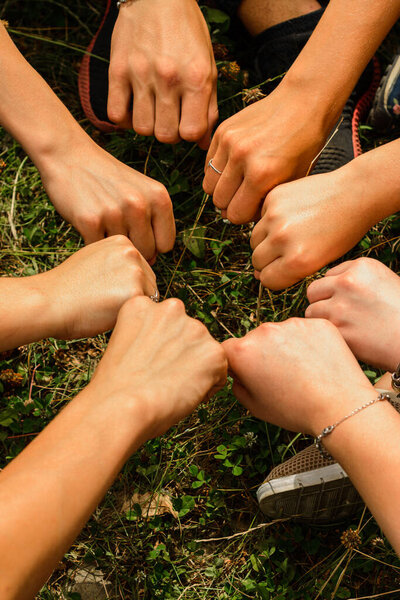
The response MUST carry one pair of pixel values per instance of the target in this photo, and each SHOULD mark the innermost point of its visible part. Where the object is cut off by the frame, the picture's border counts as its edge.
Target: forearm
(30, 110)
(377, 177)
(337, 52)
(25, 313)
(49, 491)
(368, 447)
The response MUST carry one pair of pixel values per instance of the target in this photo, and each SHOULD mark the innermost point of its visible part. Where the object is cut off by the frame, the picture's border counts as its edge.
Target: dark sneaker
(275, 50)
(311, 489)
(385, 111)
(93, 73)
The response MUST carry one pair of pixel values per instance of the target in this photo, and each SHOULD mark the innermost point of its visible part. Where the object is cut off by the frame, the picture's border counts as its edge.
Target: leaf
(151, 505)
(193, 239)
(237, 471)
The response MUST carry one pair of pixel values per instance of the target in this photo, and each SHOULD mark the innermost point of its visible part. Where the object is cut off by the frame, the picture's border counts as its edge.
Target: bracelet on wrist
(327, 430)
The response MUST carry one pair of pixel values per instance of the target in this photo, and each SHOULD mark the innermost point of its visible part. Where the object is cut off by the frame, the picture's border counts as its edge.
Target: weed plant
(211, 541)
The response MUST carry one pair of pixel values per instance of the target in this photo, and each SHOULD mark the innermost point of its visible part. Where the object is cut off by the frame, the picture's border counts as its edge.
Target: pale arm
(276, 139)
(300, 374)
(80, 297)
(159, 365)
(91, 189)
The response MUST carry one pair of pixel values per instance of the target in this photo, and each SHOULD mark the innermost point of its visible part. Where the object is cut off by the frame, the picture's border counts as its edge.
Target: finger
(275, 276)
(150, 283)
(143, 238)
(194, 115)
(211, 177)
(321, 289)
(241, 394)
(92, 230)
(119, 101)
(163, 223)
(205, 141)
(257, 275)
(227, 186)
(318, 310)
(258, 234)
(115, 225)
(245, 203)
(212, 149)
(168, 109)
(265, 254)
(339, 269)
(143, 113)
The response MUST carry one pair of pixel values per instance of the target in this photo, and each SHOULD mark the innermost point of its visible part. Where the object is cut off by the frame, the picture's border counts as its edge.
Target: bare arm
(81, 297)
(160, 364)
(329, 384)
(91, 189)
(312, 221)
(276, 139)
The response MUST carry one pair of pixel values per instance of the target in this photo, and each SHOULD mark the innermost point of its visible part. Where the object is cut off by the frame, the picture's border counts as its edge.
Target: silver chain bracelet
(330, 428)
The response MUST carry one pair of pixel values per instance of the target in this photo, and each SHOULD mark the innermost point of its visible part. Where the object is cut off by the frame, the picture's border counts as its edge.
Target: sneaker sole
(301, 496)
(363, 105)
(379, 117)
(84, 84)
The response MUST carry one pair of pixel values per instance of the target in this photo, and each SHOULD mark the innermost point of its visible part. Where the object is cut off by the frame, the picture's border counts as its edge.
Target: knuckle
(116, 113)
(200, 75)
(167, 136)
(174, 305)
(298, 262)
(192, 132)
(139, 206)
(141, 67)
(167, 71)
(229, 138)
(239, 148)
(348, 280)
(117, 70)
(120, 240)
(161, 197)
(91, 221)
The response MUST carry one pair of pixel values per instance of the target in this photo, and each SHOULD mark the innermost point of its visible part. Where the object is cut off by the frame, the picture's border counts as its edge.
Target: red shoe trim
(84, 84)
(363, 105)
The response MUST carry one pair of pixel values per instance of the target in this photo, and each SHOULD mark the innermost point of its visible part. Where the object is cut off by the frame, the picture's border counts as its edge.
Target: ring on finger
(210, 164)
(156, 296)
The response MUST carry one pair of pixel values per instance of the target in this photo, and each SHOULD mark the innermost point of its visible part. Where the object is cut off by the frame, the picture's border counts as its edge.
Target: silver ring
(210, 164)
(156, 296)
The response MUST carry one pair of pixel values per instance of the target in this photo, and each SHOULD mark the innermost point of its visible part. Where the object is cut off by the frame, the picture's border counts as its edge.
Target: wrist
(70, 145)
(336, 408)
(310, 94)
(25, 311)
(132, 420)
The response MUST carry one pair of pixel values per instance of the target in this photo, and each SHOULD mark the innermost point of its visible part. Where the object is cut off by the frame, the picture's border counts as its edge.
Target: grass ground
(206, 538)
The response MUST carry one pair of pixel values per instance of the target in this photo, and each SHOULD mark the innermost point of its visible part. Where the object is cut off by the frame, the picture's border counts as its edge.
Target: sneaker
(385, 111)
(311, 489)
(275, 50)
(93, 73)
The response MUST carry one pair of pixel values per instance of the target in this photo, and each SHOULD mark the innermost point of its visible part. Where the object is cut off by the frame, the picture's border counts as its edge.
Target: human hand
(161, 361)
(161, 53)
(265, 144)
(306, 224)
(100, 196)
(362, 298)
(298, 374)
(84, 293)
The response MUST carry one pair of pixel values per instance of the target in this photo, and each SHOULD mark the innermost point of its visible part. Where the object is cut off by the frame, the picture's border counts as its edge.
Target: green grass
(216, 544)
